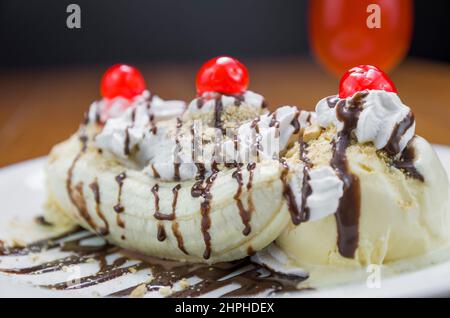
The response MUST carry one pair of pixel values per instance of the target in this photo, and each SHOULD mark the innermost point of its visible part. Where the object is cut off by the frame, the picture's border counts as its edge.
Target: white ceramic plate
(21, 198)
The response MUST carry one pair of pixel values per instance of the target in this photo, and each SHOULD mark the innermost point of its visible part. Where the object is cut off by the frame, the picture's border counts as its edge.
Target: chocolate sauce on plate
(249, 277)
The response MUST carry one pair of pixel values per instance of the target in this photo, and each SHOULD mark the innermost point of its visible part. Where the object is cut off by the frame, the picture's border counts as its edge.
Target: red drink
(346, 33)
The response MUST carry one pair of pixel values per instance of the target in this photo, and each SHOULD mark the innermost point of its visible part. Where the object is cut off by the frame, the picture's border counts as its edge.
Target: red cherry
(364, 77)
(222, 74)
(122, 80)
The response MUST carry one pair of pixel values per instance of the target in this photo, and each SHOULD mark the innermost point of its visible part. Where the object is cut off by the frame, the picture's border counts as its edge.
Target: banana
(240, 211)
(135, 180)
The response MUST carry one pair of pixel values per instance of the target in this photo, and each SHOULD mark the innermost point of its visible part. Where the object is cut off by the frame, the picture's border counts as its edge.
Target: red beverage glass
(346, 33)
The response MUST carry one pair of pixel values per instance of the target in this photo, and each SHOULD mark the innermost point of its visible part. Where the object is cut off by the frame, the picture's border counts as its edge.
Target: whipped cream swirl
(106, 109)
(383, 120)
(326, 190)
(275, 259)
(121, 134)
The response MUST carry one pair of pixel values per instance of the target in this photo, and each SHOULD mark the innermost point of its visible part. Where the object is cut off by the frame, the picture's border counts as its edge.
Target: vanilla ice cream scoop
(394, 199)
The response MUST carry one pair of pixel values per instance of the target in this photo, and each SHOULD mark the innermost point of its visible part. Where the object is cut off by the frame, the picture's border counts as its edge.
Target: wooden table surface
(38, 108)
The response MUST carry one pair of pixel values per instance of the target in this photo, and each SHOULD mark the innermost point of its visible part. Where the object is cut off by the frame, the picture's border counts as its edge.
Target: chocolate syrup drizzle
(218, 109)
(194, 143)
(306, 187)
(179, 237)
(158, 215)
(177, 163)
(155, 172)
(256, 142)
(161, 236)
(126, 149)
(274, 121)
(86, 119)
(42, 221)
(119, 208)
(332, 101)
(348, 211)
(96, 190)
(393, 146)
(75, 193)
(252, 278)
(250, 206)
(296, 123)
(175, 226)
(205, 209)
(161, 233)
(201, 188)
(296, 216)
(302, 214)
(245, 214)
(406, 162)
(154, 128)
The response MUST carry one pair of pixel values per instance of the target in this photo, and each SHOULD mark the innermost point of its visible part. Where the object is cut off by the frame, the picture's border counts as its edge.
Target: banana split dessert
(223, 183)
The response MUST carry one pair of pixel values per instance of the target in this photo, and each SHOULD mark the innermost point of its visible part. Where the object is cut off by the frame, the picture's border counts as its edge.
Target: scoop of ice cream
(106, 109)
(383, 192)
(401, 214)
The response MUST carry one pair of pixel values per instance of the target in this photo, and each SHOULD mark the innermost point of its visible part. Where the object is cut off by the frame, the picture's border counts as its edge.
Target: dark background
(34, 33)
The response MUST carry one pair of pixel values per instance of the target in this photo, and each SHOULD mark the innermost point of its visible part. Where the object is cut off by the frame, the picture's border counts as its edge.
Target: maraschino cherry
(122, 80)
(364, 77)
(222, 74)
